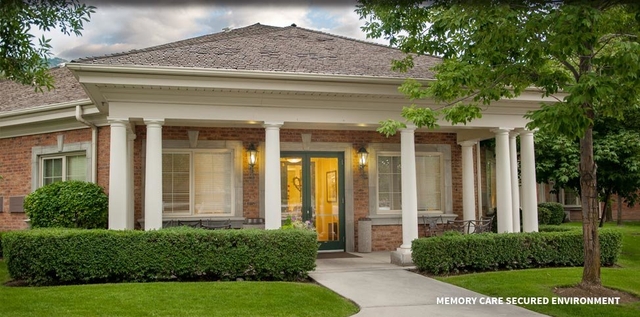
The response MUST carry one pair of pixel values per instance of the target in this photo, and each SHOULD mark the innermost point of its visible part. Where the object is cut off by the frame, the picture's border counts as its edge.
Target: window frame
(63, 157)
(51, 151)
(192, 205)
(440, 155)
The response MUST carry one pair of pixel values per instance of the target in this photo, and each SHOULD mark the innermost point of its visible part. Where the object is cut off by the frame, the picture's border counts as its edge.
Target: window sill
(396, 219)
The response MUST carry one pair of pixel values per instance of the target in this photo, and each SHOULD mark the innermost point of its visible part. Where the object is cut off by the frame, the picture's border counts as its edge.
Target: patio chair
(190, 223)
(480, 226)
(216, 224)
(461, 226)
(431, 228)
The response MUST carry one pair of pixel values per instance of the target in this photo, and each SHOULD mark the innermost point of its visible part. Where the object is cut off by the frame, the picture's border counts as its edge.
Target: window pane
(175, 182)
(213, 186)
(52, 170)
(428, 182)
(77, 168)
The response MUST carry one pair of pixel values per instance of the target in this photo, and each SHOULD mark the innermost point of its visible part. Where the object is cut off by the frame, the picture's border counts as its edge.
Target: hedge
(74, 256)
(1, 233)
(489, 251)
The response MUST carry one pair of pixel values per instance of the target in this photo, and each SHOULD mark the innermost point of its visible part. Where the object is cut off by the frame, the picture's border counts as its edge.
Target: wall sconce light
(252, 154)
(362, 158)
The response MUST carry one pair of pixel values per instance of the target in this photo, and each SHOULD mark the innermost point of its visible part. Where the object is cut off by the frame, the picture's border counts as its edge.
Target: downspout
(94, 144)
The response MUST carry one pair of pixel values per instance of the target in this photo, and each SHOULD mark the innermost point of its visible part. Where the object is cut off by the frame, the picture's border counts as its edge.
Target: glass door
(312, 192)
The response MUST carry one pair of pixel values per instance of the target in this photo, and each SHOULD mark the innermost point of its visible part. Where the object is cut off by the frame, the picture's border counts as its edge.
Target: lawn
(173, 299)
(540, 282)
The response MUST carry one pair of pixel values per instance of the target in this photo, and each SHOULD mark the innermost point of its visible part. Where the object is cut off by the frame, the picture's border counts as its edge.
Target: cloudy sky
(119, 26)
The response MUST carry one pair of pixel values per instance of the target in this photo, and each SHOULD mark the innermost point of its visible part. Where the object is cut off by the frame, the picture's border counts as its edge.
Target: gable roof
(278, 49)
(16, 96)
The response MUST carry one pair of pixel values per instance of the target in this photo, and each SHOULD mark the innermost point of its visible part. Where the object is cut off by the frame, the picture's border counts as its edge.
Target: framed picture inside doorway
(332, 186)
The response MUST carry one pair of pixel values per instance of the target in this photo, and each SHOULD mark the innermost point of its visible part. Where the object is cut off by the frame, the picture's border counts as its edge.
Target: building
(168, 131)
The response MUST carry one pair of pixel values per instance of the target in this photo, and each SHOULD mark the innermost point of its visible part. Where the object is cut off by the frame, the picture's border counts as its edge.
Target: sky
(120, 25)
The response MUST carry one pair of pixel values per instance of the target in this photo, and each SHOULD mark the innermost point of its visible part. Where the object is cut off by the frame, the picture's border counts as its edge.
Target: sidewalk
(384, 289)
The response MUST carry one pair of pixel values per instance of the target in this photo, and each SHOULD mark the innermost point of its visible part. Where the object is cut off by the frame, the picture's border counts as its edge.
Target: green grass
(173, 299)
(540, 282)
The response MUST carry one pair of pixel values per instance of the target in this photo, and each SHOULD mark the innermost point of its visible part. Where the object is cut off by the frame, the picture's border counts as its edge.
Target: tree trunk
(619, 211)
(608, 210)
(590, 214)
(607, 195)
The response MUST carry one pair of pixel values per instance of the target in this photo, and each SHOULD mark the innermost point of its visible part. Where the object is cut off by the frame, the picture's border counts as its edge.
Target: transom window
(428, 176)
(197, 182)
(63, 168)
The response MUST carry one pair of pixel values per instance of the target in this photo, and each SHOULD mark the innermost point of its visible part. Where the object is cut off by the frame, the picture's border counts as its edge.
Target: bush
(544, 215)
(489, 251)
(1, 233)
(72, 256)
(554, 228)
(70, 204)
(556, 210)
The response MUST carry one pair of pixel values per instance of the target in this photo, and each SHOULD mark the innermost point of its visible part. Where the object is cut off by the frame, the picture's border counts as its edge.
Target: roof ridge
(354, 39)
(185, 42)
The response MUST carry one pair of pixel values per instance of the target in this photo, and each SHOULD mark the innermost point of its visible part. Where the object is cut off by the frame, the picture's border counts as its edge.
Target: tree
(616, 153)
(23, 61)
(587, 50)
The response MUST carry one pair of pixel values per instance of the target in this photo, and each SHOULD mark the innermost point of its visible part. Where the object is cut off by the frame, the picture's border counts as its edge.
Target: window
(428, 176)
(63, 168)
(570, 197)
(197, 182)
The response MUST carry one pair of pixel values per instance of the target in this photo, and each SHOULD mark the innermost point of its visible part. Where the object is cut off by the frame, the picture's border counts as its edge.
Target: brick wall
(15, 167)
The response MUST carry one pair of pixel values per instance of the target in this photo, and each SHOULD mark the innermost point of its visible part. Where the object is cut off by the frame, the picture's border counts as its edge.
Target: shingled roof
(17, 96)
(280, 49)
(256, 47)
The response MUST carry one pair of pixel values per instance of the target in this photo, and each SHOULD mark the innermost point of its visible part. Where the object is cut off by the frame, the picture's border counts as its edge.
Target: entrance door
(313, 190)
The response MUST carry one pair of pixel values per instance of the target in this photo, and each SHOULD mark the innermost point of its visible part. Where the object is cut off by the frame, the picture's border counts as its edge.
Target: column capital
(467, 143)
(272, 124)
(410, 128)
(513, 134)
(154, 121)
(501, 130)
(118, 121)
(525, 131)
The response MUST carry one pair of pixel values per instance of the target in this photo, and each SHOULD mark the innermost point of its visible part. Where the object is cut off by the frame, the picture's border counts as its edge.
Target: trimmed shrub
(489, 251)
(554, 228)
(557, 212)
(70, 204)
(1, 233)
(544, 215)
(72, 256)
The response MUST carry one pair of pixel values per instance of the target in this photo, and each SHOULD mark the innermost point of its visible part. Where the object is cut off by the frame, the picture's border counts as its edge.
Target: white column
(118, 174)
(409, 188)
(272, 195)
(503, 181)
(528, 174)
(153, 175)
(515, 184)
(130, 193)
(479, 178)
(468, 198)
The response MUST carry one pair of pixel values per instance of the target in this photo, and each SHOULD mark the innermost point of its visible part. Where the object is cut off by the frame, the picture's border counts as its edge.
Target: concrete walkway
(383, 289)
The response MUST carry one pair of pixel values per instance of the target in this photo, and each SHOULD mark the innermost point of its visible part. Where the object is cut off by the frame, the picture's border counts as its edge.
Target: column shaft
(153, 176)
(503, 181)
(272, 194)
(515, 184)
(529, 196)
(409, 188)
(130, 192)
(468, 198)
(118, 175)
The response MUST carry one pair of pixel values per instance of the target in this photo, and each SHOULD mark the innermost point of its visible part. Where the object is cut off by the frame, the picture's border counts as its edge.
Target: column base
(401, 257)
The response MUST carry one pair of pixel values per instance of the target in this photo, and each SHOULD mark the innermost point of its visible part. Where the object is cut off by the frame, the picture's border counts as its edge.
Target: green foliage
(489, 251)
(556, 212)
(1, 233)
(544, 215)
(20, 59)
(69, 204)
(71, 256)
(556, 228)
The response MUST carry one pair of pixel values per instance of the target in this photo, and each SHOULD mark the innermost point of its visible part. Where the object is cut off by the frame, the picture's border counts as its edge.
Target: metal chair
(431, 228)
(461, 226)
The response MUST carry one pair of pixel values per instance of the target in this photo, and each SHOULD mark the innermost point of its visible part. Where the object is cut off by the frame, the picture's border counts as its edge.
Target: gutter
(94, 143)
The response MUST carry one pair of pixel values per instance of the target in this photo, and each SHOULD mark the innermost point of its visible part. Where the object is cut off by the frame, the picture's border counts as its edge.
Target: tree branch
(570, 67)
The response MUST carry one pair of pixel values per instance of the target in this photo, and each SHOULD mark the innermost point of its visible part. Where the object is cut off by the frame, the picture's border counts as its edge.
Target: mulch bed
(577, 291)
